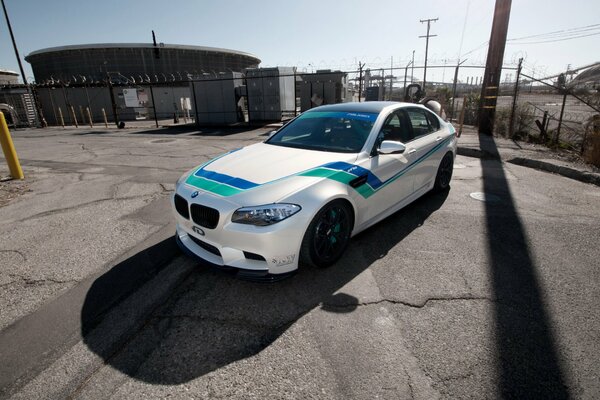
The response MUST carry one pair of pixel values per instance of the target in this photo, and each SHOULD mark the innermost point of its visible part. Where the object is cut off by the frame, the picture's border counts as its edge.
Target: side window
(434, 122)
(419, 122)
(396, 128)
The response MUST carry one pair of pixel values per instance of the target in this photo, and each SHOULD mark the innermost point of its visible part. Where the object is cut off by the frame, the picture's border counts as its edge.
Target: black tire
(328, 235)
(444, 173)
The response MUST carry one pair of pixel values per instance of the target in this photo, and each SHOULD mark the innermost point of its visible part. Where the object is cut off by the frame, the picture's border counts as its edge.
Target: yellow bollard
(74, 117)
(9, 150)
(60, 116)
(89, 115)
(104, 116)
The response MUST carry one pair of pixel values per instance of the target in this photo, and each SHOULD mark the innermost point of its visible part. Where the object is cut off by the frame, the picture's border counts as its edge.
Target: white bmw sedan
(298, 198)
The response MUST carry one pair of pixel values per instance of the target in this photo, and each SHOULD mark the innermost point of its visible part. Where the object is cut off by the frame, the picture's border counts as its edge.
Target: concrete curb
(581, 176)
(567, 172)
(476, 153)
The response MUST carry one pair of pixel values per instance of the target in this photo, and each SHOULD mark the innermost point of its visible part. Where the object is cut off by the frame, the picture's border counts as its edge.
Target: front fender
(312, 198)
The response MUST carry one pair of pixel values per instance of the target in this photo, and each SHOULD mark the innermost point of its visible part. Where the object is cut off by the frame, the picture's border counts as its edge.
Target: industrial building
(71, 79)
(15, 100)
(8, 77)
(133, 62)
(323, 87)
(271, 93)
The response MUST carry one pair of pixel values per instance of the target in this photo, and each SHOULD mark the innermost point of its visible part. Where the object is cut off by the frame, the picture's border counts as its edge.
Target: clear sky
(316, 34)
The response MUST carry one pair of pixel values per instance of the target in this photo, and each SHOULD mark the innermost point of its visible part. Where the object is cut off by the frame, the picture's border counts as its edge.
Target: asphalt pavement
(452, 297)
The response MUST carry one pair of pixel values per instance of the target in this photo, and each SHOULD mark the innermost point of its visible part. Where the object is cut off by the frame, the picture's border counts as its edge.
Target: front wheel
(327, 235)
(444, 174)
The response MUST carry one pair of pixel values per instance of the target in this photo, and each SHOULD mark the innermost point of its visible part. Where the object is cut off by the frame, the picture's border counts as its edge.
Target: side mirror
(391, 147)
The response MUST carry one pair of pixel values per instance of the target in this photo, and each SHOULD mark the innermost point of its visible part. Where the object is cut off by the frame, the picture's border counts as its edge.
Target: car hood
(254, 171)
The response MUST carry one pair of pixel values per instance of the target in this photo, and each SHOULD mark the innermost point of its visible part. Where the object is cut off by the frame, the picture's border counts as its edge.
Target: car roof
(367, 106)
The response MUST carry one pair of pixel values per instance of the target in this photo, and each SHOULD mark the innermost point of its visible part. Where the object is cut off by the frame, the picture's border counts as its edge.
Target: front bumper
(245, 274)
(255, 250)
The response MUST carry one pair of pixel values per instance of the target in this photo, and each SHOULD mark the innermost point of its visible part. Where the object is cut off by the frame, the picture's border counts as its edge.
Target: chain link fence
(550, 111)
(555, 113)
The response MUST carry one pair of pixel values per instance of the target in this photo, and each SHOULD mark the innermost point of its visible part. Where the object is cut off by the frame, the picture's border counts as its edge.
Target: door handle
(412, 151)
(437, 139)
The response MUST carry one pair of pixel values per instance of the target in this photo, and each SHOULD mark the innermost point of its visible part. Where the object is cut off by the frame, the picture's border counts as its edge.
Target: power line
(462, 36)
(560, 32)
(558, 40)
(476, 48)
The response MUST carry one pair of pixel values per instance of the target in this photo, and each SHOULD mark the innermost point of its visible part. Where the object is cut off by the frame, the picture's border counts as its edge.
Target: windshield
(335, 131)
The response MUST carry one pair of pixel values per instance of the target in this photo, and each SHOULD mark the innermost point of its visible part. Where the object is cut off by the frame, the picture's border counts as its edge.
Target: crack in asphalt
(55, 165)
(405, 303)
(409, 382)
(164, 188)
(30, 281)
(66, 209)
(19, 252)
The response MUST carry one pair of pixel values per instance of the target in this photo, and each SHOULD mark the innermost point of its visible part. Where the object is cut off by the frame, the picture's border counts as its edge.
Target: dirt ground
(11, 189)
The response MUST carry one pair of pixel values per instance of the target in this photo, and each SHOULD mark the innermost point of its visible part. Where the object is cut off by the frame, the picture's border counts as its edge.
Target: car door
(389, 181)
(422, 147)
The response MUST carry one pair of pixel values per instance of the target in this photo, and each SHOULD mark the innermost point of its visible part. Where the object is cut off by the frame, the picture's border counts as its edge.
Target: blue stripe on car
(372, 180)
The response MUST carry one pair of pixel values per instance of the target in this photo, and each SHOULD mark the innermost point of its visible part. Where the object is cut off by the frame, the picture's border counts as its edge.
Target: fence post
(195, 103)
(114, 104)
(461, 118)
(82, 115)
(50, 90)
(38, 107)
(454, 85)
(154, 104)
(511, 126)
(405, 73)
(562, 111)
(66, 98)
(360, 67)
(295, 95)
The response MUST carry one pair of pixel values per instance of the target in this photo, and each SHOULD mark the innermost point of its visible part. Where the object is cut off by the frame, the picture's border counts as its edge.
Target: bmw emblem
(194, 195)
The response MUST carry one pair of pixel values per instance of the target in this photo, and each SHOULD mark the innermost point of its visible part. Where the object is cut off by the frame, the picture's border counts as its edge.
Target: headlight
(183, 177)
(264, 215)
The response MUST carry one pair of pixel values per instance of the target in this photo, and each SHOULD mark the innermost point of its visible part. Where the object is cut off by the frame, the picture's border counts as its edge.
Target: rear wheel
(444, 174)
(327, 235)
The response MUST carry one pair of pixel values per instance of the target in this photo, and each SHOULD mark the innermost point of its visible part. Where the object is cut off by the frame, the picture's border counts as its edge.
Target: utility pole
(493, 67)
(427, 47)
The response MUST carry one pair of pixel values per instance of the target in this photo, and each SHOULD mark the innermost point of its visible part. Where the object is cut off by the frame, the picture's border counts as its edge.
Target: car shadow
(528, 363)
(213, 320)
